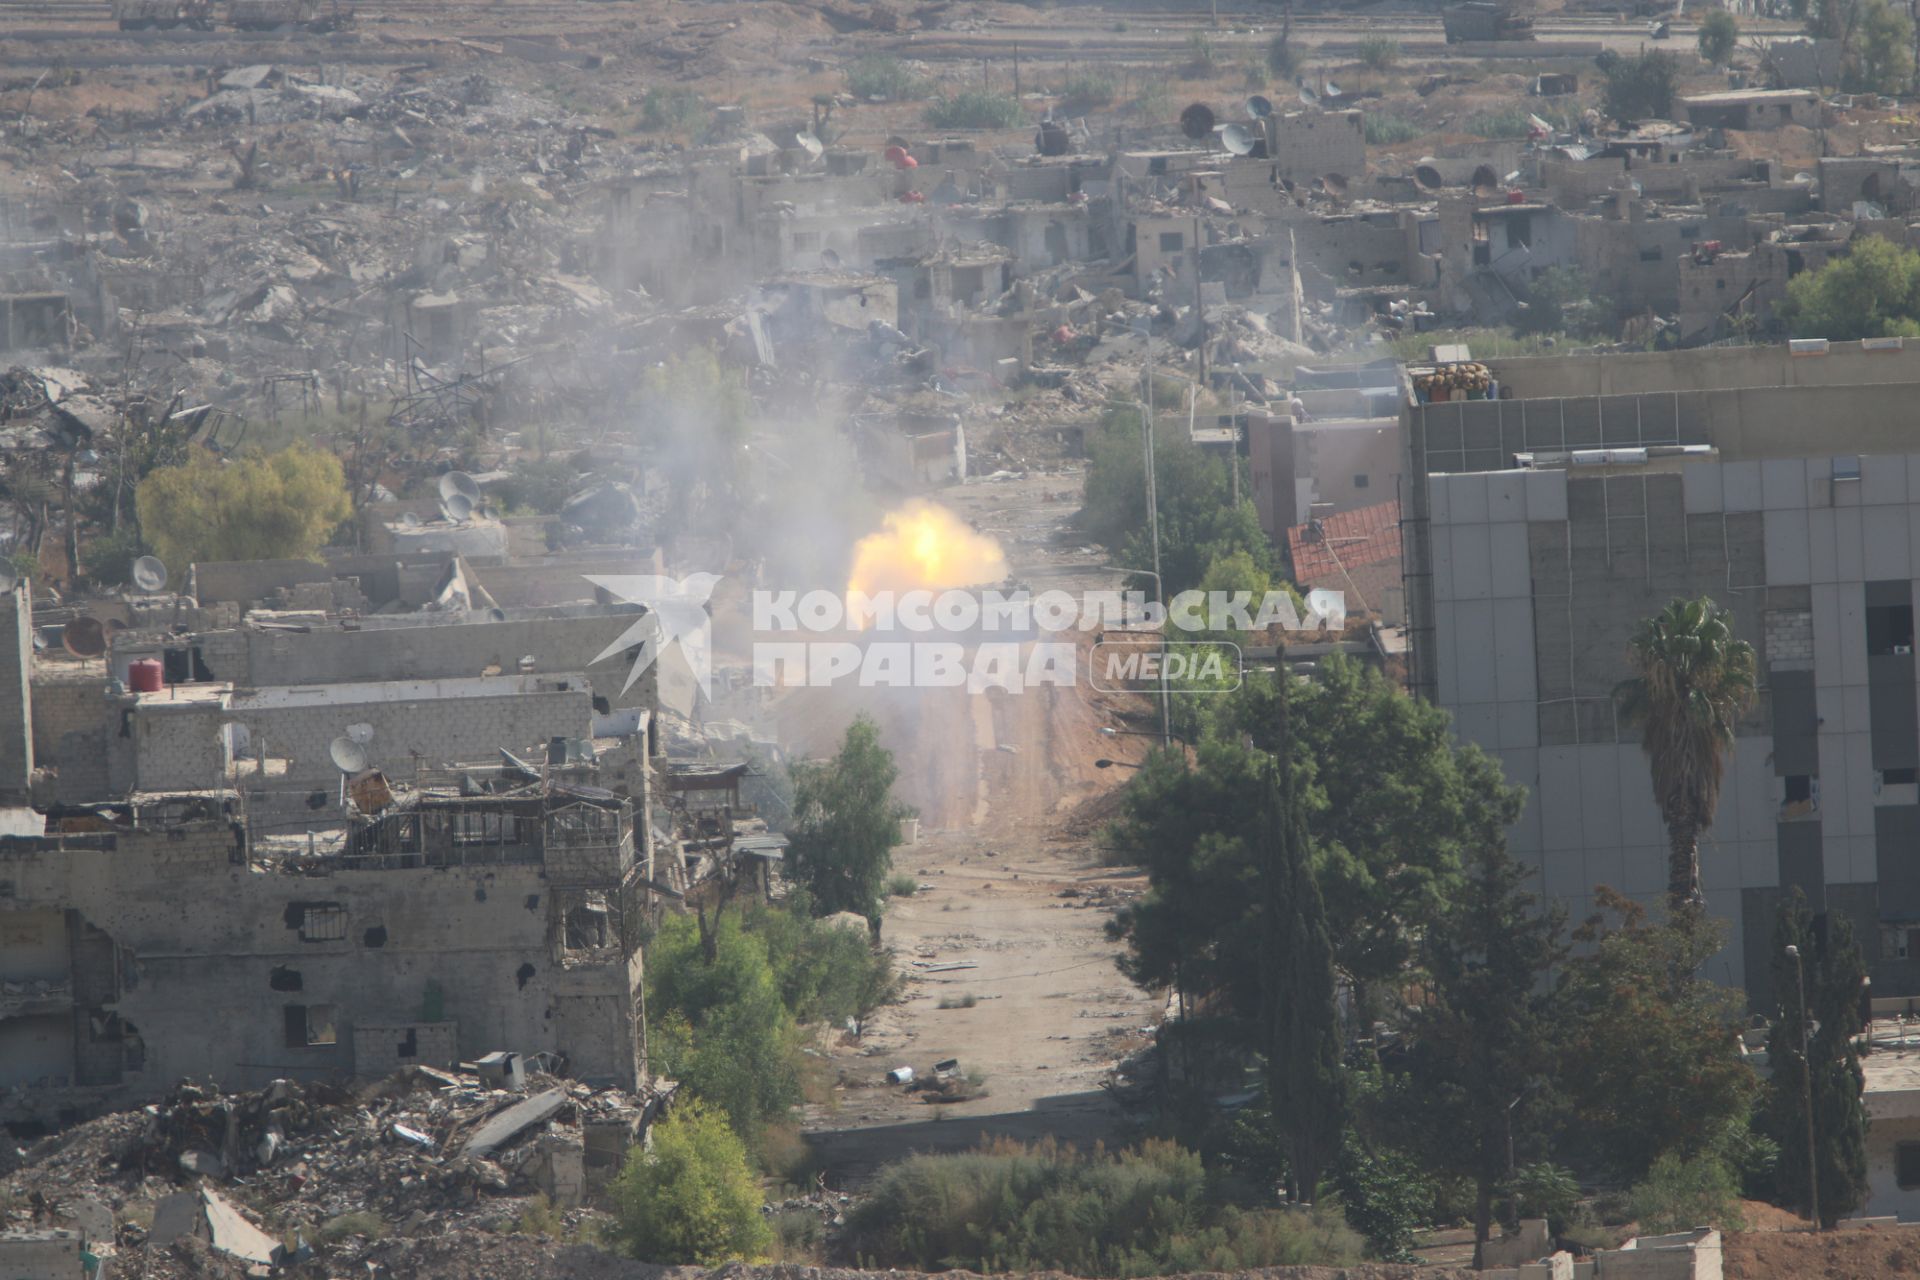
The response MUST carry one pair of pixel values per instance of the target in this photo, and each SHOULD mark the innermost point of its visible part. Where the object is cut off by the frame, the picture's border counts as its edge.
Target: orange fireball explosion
(927, 547)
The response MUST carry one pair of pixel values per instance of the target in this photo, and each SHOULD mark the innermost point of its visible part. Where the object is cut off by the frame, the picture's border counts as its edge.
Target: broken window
(1906, 1164)
(324, 924)
(1898, 777)
(1799, 796)
(308, 1025)
(1360, 481)
(480, 829)
(587, 926)
(409, 1046)
(1889, 628)
(1651, 255)
(1172, 241)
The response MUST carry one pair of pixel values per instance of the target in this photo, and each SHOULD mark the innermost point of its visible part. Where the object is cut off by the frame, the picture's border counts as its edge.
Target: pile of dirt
(1863, 1253)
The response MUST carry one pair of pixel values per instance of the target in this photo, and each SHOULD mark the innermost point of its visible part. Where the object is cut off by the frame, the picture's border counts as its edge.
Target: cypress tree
(1835, 980)
(1306, 1084)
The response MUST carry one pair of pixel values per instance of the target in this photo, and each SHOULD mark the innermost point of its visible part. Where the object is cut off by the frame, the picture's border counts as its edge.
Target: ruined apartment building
(1541, 530)
(491, 912)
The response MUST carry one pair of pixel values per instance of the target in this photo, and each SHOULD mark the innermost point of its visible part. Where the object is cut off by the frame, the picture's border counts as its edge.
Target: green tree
(1692, 681)
(1379, 53)
(277, 506)
(1651, 1058)
(689, 1198)
(1719, 36)
(1881, 60)
(720, 1026)
(1872, 292)
(1199, 521)
(846, 824)
(1835, 977)
(1306, 1086)
(1640, 86)
(1559, 301)
(693, 414)
(1484, 1040)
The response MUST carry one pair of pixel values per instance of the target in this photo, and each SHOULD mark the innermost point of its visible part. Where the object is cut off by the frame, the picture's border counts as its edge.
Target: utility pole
(1806, 1088)
(1199, 309)
(1153, 533)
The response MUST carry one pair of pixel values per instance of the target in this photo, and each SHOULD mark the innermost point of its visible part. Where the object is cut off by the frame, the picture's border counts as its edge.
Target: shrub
(359, 1222)
(1154, 101)
(1509, 122)
(1545, 1190)
(1379, 53)
(1384, 130)
(1201, 55)
(902, 886)
(1139, 1213)
(539, 486)
(974, 109)
(1281, 59)
(798, 1237)
(1640, 87)
(878, 76)
(1679, 1194)
(1719, 36)
(664, 110)
(967, 1001)
(689, 1198)
(1088, 89)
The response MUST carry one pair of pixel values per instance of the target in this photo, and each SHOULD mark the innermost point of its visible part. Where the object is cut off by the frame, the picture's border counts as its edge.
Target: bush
(1679, 1194)
(539, 487)
(902, 886)
(689, 1198)
(1281, 59)
(878, 76)
(1384, 130)
(1719, 36)
(1873, 292)
(1640, 87)
(664, 110)
(1379, 53)
(1139, 1213)
(1088, 89)
(1201, 56)
(276, 507)
(359, 1222)
(1154, 101)
(1545, 1190)
(967, 1001)
(974, 109)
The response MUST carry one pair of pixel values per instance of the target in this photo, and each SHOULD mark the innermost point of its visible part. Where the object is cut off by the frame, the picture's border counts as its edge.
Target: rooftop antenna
(458, 508)
(84, 638)
(1238, 139)
(1259, 106)
(349, 757)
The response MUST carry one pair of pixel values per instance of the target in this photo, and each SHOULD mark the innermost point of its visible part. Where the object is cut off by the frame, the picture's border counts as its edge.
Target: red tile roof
(1364, 536)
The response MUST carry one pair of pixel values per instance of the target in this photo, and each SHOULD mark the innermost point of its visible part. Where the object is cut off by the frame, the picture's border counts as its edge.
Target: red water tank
(1516, 196)
(146, 675)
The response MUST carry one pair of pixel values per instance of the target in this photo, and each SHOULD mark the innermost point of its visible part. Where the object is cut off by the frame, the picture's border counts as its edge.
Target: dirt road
(1008, 928)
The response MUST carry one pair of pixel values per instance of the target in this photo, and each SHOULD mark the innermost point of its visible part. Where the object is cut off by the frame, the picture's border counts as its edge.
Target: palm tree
(1692, 680)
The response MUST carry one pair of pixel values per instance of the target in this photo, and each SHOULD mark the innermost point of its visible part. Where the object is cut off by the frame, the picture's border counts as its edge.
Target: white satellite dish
(360, 733)
(1331, 89)
(409, 520)
(1238, 139)
(1259, 106)
(459, 482)
(348, 755)
(496, 614)
(1803, 179)
(458, 508)
(149, 573)
(809, 144)
(1308, 98)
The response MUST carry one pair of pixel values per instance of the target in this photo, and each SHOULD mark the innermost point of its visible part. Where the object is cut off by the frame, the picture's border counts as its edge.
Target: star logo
(676, 614)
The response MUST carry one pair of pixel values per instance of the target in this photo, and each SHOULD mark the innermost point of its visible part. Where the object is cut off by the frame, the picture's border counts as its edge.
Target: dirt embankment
(1867, 1253)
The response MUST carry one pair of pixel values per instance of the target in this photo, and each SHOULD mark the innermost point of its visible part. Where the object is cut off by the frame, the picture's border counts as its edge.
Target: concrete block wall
(70, 720)
(16, 693)
(379, 1047)
(472, 947)
(1312, 144)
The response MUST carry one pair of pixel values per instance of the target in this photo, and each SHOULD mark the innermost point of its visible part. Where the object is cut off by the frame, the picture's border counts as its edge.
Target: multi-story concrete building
(1784, 482)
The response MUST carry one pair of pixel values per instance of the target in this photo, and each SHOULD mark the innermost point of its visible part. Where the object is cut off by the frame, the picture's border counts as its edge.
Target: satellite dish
(1308, 98)
(348, 755)
(149, 574)
(1427, 178)
(1197, 121)
(1238, 139)
(84, 638)
(829, 259)
(1335, 184)
(40, 642)
(1803, 179)
(1330, 89)
(458, 508)
(809, 144)
(459, 482)
(1259, 106)
(496, 614)
(409, 520)
(360, 733)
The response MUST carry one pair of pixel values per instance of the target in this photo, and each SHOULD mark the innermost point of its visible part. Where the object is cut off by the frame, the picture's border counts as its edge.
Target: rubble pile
(420, 1151)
